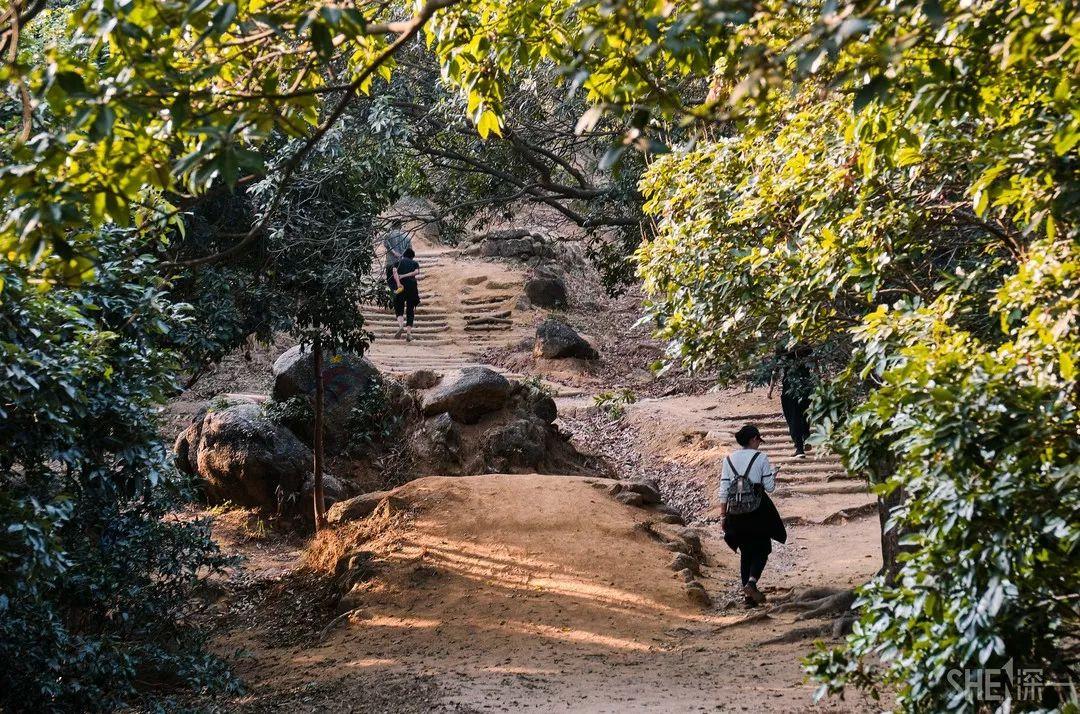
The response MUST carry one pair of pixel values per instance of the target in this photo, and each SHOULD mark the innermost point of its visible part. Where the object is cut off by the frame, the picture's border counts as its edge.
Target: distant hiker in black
(750, 519)
(406, 292)
(797, 384)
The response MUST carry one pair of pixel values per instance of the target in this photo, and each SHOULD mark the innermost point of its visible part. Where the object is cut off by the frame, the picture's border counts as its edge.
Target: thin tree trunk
(883, 469)
(320, 499)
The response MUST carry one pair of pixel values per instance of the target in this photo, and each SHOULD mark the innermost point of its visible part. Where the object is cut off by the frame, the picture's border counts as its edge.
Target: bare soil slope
(519, 593)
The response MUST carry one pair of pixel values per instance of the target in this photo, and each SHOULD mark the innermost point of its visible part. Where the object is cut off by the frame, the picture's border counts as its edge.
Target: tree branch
(408, 31)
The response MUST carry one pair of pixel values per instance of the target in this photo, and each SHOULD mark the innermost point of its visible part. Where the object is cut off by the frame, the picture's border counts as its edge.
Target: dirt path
(551, 599)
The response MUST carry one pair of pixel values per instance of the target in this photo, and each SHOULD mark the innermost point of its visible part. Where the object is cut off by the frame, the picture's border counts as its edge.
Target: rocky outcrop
(519, 444)
(546, 289)
(355, 508)
(242, 457)
(422, 379)
(437, 444)
(557, 340)
(517, 243)
(346, 377)
(687, 553)
(468, 395)
(517, 436)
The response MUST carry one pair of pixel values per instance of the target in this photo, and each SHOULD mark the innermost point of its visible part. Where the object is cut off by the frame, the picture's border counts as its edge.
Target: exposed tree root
(867, 509)
(818, 602)
(753, 617)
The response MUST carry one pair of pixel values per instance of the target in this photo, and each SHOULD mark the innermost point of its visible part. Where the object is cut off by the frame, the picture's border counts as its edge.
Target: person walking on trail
(751, 521)
(797, 384)
(395, 243)
(406, 292)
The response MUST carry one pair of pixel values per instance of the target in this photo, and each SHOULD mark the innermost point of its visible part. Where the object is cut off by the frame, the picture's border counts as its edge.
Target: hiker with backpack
(797, 383)
(406, 293)
(395, 243)
(751, 521)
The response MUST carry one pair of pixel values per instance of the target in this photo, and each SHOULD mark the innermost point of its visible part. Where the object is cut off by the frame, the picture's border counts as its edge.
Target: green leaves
(906, 215)
(875, 89)
(86, 487)
(223, 17)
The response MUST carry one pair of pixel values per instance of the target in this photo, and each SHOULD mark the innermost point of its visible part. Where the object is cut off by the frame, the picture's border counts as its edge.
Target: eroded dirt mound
(539, 551)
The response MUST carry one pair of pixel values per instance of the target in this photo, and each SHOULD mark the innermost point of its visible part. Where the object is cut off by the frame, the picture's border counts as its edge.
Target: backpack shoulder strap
(750, 465)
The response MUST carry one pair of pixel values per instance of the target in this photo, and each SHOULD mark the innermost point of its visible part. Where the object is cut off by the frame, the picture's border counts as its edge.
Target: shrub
(96, 582)
(373, 419)
(614, 402)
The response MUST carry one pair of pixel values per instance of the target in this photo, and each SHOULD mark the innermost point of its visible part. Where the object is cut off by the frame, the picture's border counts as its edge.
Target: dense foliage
(545, 166)
(95, 581)
(907, 202)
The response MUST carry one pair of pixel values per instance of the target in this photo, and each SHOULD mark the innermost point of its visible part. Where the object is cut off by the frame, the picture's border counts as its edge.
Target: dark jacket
(762, 523)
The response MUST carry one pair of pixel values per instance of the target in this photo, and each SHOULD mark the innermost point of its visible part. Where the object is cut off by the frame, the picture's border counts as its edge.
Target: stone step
(429, 325)
(811, 458)
(427, 340)
(418, 329)
(819, 488)
(431, 314)
(493, 320)
(474, 329)
(388, 339)
(485, 315)
(808, 468)
(485, 299)
(756, 418)
(405, 358)
(387, 318)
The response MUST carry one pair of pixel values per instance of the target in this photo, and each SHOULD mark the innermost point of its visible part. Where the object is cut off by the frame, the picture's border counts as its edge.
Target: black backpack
(743, 496)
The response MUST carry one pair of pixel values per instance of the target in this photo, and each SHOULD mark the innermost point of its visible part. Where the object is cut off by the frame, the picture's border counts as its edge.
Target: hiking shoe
(408, 338)
(397, 335)
(799, 454)
(749, 604)
(752, 593)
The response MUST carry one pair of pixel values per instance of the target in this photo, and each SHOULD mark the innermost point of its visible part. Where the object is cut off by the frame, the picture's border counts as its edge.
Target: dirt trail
(543, 593)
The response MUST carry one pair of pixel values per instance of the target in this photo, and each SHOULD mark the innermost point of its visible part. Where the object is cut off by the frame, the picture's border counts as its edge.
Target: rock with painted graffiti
(346, 379)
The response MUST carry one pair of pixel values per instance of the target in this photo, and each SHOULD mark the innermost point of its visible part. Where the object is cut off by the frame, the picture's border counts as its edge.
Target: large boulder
(557, 340)
(437, 444)
(520, 444)
(517, 243)
(242, 457)
(474, 392)
(546, 289)
(518, 437)
(346, 377)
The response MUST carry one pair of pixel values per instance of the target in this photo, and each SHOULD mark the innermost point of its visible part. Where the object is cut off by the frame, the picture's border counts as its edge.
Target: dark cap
(748, 432)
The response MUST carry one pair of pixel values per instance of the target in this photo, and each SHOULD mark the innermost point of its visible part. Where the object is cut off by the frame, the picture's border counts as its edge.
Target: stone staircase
(471, 316)
(466, 307)
(819, 466)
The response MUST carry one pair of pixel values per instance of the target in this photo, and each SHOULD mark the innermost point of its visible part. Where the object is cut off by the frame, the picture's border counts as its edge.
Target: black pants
(795, 416)
(404, 306)
(753, 554)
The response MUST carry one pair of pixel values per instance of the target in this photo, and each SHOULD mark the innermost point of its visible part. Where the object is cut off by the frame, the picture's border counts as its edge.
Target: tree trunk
(320, 499)
(890, 539)
(883, 469)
